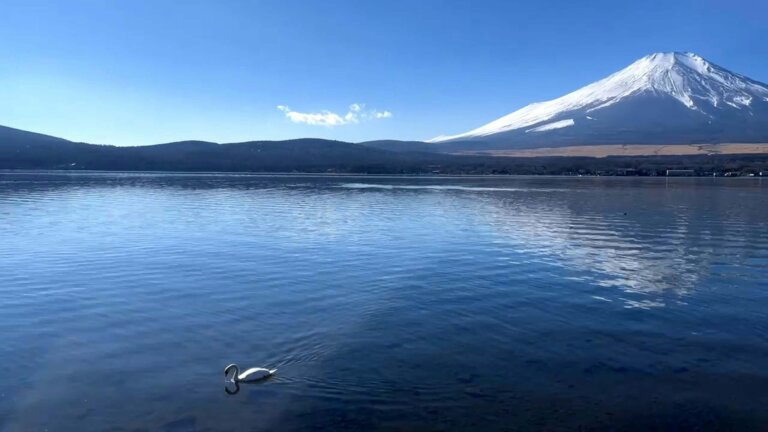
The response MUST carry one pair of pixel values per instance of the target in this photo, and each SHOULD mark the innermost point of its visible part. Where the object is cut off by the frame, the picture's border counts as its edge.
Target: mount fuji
(662, 98)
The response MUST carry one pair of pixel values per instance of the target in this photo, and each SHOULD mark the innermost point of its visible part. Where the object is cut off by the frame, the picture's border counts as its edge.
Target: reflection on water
(612, 250)
(387, 303)
(443, 187)
(232, 387)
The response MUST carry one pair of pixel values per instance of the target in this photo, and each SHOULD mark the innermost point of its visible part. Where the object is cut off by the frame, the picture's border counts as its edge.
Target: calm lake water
(387, 303)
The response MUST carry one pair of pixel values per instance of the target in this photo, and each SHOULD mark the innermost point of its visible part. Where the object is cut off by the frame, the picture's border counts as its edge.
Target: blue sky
(144, 72)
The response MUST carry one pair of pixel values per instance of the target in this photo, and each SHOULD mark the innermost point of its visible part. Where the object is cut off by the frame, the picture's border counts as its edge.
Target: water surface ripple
(387, 303)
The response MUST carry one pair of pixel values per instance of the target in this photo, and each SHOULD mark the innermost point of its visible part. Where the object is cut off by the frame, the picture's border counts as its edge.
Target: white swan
(252, 374)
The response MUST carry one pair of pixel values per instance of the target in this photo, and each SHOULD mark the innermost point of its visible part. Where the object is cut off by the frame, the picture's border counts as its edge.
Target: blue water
(387, 303)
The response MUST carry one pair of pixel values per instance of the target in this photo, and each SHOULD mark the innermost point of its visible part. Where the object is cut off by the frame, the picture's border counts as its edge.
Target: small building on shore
(680, 173)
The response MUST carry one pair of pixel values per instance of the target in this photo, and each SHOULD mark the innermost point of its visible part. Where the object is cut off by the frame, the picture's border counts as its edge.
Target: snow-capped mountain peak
(688, 78)
(694, 82)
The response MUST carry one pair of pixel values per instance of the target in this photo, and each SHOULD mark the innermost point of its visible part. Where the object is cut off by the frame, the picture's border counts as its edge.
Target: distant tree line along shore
(27, 150)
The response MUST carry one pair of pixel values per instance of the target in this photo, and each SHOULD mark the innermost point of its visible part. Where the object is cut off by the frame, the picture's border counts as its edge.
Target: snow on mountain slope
(701, 87)
(553, 125)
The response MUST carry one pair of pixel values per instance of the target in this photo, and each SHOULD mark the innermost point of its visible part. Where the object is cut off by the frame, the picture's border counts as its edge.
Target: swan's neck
(236, 376)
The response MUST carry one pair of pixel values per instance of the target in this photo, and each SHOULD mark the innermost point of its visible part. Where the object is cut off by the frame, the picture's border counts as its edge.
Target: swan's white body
(255, 374)
(250, 375)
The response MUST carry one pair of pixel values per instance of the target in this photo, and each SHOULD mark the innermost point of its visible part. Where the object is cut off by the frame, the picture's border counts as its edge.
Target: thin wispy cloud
(355, 114)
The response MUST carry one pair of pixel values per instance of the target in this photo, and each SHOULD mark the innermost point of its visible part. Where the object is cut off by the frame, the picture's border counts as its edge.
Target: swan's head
(229, 368)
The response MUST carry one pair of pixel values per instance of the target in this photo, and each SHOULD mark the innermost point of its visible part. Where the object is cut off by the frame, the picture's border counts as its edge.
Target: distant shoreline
(23, 150)
(320, 174)
(606, 150)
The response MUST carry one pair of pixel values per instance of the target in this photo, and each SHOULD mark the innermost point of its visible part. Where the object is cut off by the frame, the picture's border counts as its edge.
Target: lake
(386, 303)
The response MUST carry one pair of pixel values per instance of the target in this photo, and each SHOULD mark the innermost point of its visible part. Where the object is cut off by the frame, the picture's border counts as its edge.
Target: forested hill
(27, 150)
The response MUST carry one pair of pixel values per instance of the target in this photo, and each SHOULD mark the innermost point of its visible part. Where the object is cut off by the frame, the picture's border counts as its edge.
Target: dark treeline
(26, 150)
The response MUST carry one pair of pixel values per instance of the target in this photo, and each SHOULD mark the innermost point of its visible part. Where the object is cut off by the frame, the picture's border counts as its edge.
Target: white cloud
(324, 118)
(355, 114)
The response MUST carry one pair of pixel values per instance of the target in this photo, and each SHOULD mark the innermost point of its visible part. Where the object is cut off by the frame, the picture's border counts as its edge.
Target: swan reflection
(232, 387)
